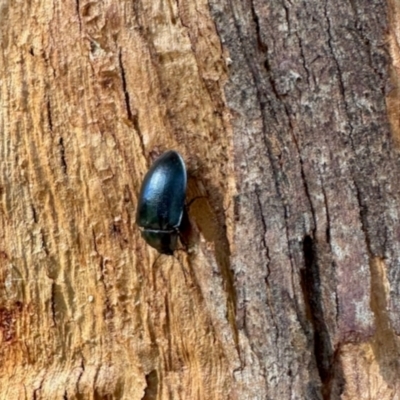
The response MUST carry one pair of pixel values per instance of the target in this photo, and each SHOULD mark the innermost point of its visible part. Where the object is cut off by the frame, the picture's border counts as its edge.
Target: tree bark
(287, 115)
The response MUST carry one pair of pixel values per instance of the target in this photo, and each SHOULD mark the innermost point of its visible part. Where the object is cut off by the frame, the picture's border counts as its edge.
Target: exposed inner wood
(287, 115)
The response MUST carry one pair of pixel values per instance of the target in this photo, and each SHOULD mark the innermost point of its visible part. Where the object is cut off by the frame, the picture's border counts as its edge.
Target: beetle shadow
(187, 235)
(207, 214)
(206, 210)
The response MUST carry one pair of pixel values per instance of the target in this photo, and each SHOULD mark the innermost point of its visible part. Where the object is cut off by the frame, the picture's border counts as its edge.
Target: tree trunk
(287, 116)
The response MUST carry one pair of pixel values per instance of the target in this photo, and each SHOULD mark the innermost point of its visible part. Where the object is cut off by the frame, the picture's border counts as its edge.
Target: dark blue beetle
(162, 201)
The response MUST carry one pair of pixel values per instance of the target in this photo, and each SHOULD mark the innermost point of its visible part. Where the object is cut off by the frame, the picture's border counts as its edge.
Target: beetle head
(163, 241)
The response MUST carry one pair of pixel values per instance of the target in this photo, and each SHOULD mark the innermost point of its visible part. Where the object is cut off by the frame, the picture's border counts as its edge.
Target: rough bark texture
(287, 115)
(317, 173)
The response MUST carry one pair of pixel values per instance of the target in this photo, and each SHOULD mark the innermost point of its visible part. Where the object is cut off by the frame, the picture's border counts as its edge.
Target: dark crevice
(275, 90)
(151, 390)
(167, 332)
(363, 217)
(328, 218)
(311, 287)
(287, 17)
(236, 207)
(264, 224)
(49, 116)
(242, 312)
(78, 13)
(303, 58)
(132, 116)
(307, 193)
(94, 242)
(80, 375)
(266, 278)
(34, 214)
(65, 395)
(97, 373)
(334, 266)
(260, 42)
(44, 243)
(37, 390)
(262, 100)
(124, 89)
(53, 303)
(303, 175)
(82, 370)
(62, 155)
(288, 241)
(267, 267)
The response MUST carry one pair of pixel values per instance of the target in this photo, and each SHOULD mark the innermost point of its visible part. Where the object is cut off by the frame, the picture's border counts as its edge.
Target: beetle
(161, 204)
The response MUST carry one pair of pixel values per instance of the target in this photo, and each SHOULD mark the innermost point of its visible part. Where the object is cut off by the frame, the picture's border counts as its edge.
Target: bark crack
(49, 115)
(38, 389)
(78, 12)
(43, 242)
(266, 279)
(328, 218)
(34, 214)
(311, 286)
(64, 165)
(82, 366)
(303, 175)
(287, 17)
(53, 303)
(151, 390)
(264, 242)
(124, 89)
(260, 42)
(303, 58)
(363, 218)
(132, 116)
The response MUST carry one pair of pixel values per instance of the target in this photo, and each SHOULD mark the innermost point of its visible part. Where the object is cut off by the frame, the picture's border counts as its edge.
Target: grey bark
(318, 190)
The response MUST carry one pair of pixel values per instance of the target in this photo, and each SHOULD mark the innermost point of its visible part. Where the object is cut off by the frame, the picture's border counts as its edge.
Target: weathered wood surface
(318, 180)
(287, 116)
